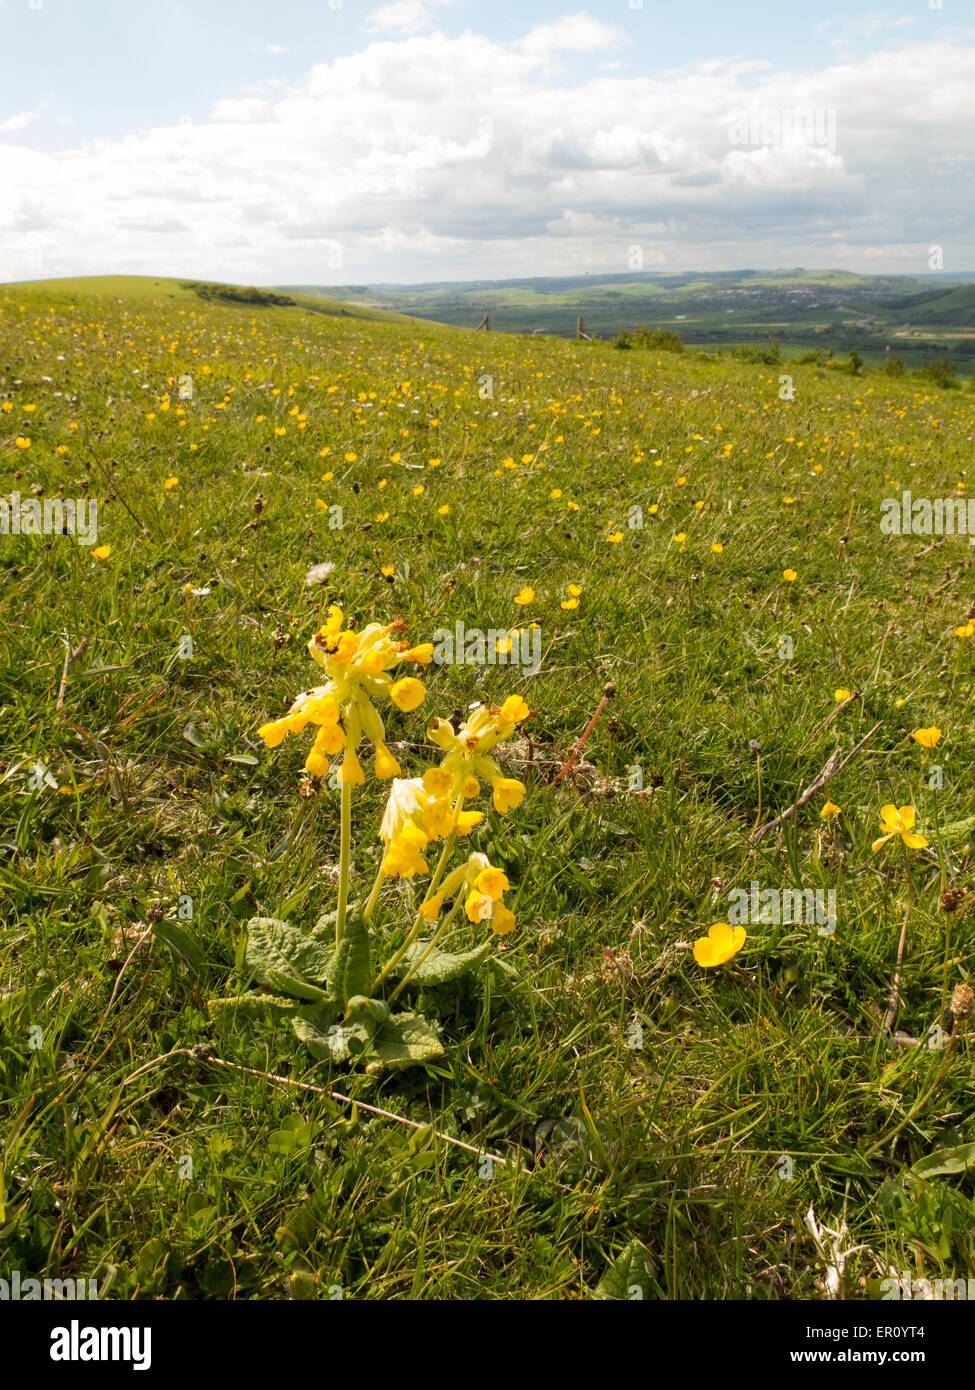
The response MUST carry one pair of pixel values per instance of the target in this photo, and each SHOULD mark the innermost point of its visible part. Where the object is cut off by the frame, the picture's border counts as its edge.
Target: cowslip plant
(329, 979)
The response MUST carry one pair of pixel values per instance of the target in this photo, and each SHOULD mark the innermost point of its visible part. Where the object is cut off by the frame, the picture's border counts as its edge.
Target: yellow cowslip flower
(423, 654)
(407, 797)
(830, 809)
(722, 942)
(437, 781)
(430, 910)
(502, 920)
(351, 773)
(357, 665)
(927, 738)
(899, 820)
(507, 793)
(404, 856)
(407, 693)
(478, 906)
(386, 764)
(493, 882)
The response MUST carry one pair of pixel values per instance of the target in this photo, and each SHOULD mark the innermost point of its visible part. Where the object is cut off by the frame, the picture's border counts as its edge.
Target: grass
(634, 1095)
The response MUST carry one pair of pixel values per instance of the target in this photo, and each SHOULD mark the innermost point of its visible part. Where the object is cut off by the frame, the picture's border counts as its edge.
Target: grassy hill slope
(698, 548)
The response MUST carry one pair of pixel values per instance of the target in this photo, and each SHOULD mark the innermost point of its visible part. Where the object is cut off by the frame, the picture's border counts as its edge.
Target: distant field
(802, 308)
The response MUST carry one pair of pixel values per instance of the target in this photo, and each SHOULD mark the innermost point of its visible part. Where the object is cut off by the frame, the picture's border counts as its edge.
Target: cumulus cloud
(424, 156)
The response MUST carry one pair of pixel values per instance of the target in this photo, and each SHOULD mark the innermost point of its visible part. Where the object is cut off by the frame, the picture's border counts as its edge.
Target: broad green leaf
(348, 970)
(330, 1038)
(251, 1005)
(274, 945)
(628, 1277)
(440, 966)
(945, 1161)
(324, 928)
(405, 1040)
(295, 986)
(957, 829)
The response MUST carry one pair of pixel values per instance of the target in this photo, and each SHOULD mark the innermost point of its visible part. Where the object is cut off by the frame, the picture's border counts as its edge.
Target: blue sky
(328, 144)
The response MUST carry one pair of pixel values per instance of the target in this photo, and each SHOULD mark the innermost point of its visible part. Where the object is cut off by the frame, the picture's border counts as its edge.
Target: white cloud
(403, 17)
(431, 157)
(20, 122)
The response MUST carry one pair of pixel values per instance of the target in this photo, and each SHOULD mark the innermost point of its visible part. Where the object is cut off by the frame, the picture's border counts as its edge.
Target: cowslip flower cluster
(468, 753)
(423, 809)
(358, 666)
(479, 885)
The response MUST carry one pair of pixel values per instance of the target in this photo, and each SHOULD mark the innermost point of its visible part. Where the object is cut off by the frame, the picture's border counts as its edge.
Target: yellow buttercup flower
(927, 738)
(789, 576)
(102, 552)
(830, 809)
(721, 944)
(899, 820)
(840, 694)
(526, 596)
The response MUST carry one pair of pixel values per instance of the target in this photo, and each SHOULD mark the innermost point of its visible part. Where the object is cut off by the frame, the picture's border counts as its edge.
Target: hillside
(803, 309)
(557, 1020)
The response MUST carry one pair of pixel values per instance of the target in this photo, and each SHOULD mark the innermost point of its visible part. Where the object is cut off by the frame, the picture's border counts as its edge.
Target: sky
(347, 142)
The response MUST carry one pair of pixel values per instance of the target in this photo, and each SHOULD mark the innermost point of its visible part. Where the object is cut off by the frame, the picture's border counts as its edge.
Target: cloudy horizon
(428, 140)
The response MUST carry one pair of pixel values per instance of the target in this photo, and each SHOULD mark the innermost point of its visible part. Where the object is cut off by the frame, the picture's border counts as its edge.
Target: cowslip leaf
(628, 1277)
(274, 945)
(440, 966)
(405, 1040)
(348, 969)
